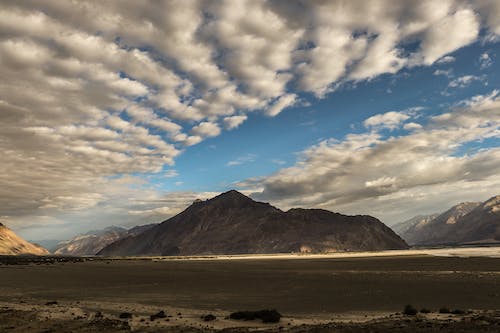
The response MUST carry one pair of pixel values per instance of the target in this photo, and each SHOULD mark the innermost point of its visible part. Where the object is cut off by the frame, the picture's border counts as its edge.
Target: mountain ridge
(232, 223)
(466, 222)
(94, 241)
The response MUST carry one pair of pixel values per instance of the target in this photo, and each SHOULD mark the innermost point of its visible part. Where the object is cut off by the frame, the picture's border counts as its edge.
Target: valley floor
(320, 294)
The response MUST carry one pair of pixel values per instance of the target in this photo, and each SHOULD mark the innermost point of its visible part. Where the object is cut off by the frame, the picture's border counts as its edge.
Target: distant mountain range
(465, 223)
(94, 241)
(12, 244)
(232, 223)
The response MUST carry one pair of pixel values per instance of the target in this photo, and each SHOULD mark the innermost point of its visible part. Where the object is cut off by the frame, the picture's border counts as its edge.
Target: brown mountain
(92, 242)
(232, 223)
(468, 222)
(412, 225)
(12, 244)
(482, 224)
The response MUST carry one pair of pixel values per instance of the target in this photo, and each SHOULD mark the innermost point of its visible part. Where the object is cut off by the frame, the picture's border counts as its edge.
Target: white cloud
(485, 61)
(192, 140)
(170, 173)
(412, 126)
(394, 178)
(464, 81)
(234, 121)
(391, 119)
(447, 73)
(206, 129)
(248, 158)
(145, 116)
(446, 60)
(161, 211)
(449, 34)
(490, 9)
(282, 103)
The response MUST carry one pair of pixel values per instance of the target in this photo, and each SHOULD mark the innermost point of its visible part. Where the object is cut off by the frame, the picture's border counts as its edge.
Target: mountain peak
(453, 214)
(233, 198)
(493, 201)
(233, 193)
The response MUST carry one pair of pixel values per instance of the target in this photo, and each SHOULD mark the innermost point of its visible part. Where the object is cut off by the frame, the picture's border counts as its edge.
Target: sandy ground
(80, 317)
(327, 293)
(462, 252)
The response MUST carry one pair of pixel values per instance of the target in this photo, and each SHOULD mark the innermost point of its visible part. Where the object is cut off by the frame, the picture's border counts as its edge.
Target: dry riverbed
(319, 294)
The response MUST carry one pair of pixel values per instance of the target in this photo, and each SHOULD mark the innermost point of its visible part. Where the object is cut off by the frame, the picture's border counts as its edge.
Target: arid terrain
(316, 293)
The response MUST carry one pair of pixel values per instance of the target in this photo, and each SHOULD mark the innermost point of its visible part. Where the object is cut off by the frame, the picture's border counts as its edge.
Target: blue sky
(127, 112)
(204, 167)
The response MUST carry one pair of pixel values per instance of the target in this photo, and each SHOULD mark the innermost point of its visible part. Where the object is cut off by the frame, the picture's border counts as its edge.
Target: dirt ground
(313, 295)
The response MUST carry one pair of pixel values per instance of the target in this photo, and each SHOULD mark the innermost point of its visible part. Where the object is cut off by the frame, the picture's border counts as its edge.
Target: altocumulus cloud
(92, 89)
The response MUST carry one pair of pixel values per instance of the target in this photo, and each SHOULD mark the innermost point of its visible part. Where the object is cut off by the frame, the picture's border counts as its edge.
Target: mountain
(94, 241)
(468, 222)
(232, 223)
(12, 244)
(482, 224)
(413, 225)
(134, 231)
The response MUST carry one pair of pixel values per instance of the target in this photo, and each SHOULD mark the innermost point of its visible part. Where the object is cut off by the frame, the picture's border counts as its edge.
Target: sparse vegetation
(158, 315)
(267, 316)
(209, 317)
(125, 315)
(409, 310)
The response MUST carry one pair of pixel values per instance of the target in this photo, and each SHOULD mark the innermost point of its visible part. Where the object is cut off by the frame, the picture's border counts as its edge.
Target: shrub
(267, 316)
(209, 317)
(125, 315)
(425, 310)
(158, 315)
(444, 310)
(242, 315)
(458, 311)
(409, 310)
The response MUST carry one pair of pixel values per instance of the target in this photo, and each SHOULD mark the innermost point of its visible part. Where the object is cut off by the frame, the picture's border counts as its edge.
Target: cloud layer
(372, 173)
(91, 90)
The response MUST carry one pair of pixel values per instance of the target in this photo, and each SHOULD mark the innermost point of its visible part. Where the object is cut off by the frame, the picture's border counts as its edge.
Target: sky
(124, 112)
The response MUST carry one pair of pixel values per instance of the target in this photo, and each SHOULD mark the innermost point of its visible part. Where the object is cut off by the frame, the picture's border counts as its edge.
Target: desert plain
(316, 293)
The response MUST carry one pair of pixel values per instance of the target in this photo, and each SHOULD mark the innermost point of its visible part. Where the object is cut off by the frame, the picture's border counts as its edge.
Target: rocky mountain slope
(232, 223)
(94, 241)
(12, 244)
(413, 225)
(482, 224)
(469, 222)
